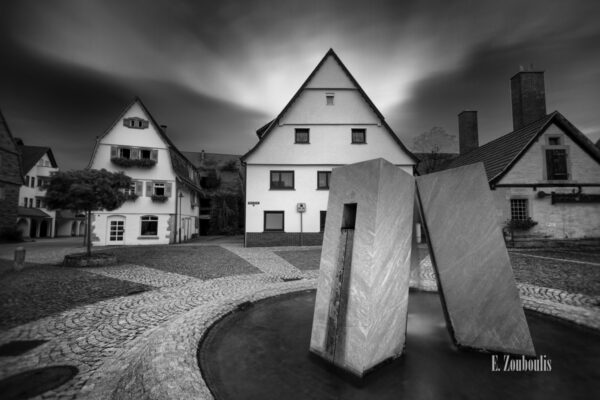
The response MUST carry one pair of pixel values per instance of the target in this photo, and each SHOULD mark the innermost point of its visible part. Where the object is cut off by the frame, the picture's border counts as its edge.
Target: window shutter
(549, 170)
(139, 188)
(154, 155)
(114, 151)
(149, 190)
(168, 189)
(135, 154)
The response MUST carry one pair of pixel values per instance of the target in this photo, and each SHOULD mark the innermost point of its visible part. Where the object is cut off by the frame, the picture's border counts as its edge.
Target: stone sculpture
(476, 281)
(368, 249)
(361, 306)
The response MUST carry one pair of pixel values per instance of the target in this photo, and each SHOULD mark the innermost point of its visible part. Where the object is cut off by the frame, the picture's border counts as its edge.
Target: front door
(116, 230)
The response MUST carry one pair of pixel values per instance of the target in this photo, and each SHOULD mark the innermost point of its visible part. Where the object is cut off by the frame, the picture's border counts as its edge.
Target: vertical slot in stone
(341, 284)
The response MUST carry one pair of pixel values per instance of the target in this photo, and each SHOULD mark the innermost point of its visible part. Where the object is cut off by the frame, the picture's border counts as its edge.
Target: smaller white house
(34, 220)
(163, 199)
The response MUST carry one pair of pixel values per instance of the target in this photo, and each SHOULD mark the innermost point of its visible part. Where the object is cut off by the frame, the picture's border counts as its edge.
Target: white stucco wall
(329, 144)
(532, 166)
(305, 191)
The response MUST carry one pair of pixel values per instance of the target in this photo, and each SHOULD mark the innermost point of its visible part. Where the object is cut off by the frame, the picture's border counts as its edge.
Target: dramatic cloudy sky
(215, 71)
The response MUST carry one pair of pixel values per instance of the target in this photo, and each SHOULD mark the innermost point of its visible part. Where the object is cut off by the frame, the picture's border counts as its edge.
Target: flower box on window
(521, 224)
(159, 198)
(128, 162)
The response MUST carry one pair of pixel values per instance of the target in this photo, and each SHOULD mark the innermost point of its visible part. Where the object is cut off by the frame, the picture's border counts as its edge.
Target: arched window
(149, 225)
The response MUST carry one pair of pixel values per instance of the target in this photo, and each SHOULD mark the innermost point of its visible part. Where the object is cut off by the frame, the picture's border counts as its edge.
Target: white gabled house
(329, 122)
(163, 204)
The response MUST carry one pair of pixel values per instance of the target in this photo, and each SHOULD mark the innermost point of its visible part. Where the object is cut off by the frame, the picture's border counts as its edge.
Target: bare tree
(434, 147)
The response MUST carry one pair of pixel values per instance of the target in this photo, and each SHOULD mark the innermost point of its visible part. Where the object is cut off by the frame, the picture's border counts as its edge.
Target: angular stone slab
(478, 289)
(362, 293)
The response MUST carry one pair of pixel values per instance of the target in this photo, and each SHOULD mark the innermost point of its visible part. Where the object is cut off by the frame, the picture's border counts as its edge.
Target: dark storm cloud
(215, 71)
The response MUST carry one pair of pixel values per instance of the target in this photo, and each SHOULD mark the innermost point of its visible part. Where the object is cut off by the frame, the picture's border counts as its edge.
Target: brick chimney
(528, 97)
(468, 134)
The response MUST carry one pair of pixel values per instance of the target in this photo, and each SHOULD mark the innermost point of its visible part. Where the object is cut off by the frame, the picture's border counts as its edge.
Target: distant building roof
(201, 158)
(499, 155)
(32, 212)
(30, 155)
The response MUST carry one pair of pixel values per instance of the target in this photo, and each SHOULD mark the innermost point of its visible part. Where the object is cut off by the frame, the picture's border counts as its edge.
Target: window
(359, 136)
(38, 203)
(282, 180)
(322, 217)
(519, 209)
(145, 154)
(33, 181)
(159, 189)
(556, 164)
(130, 190)
(323, 179)
(117, 228)
(124, 152)
(329, 99)
(31, 202)
(25, 202)
(302, 136)
(554, 140)
(26, 180)
(274, 221)
(135, 122)
(149, 225)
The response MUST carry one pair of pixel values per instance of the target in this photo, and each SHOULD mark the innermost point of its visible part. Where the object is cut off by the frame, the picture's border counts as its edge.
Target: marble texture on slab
(374, 327)
(469, 255)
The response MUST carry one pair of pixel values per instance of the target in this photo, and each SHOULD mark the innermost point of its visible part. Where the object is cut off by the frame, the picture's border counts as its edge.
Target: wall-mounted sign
(575, 198)
(253, 203)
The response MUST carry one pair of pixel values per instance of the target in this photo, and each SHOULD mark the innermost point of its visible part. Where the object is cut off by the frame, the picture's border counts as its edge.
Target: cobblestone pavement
(144, 345)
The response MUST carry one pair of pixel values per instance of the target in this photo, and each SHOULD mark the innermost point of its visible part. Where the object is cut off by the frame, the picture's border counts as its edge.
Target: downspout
(245, 202)
(176, 210)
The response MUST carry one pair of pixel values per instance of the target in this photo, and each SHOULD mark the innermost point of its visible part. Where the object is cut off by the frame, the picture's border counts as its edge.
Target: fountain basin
(263, 352)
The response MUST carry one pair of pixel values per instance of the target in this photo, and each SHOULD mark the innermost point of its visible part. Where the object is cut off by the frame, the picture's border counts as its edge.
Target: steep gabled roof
(178, 159)
(265, 130)
(499, 155)
(30, 155)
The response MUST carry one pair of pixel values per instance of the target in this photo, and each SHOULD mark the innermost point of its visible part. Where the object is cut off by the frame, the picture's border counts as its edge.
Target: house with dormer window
(162, 205)
(544, 175)
(329, 122)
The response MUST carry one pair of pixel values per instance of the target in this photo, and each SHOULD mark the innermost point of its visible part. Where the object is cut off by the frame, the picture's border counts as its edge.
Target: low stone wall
(272, 239)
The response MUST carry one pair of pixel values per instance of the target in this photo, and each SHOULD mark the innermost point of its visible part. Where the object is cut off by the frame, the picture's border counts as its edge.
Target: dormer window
(329, 99)
(135, 123)
(554, 141)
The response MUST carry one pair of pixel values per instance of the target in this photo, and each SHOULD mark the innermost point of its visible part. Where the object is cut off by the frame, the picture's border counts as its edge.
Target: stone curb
(163, 362)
